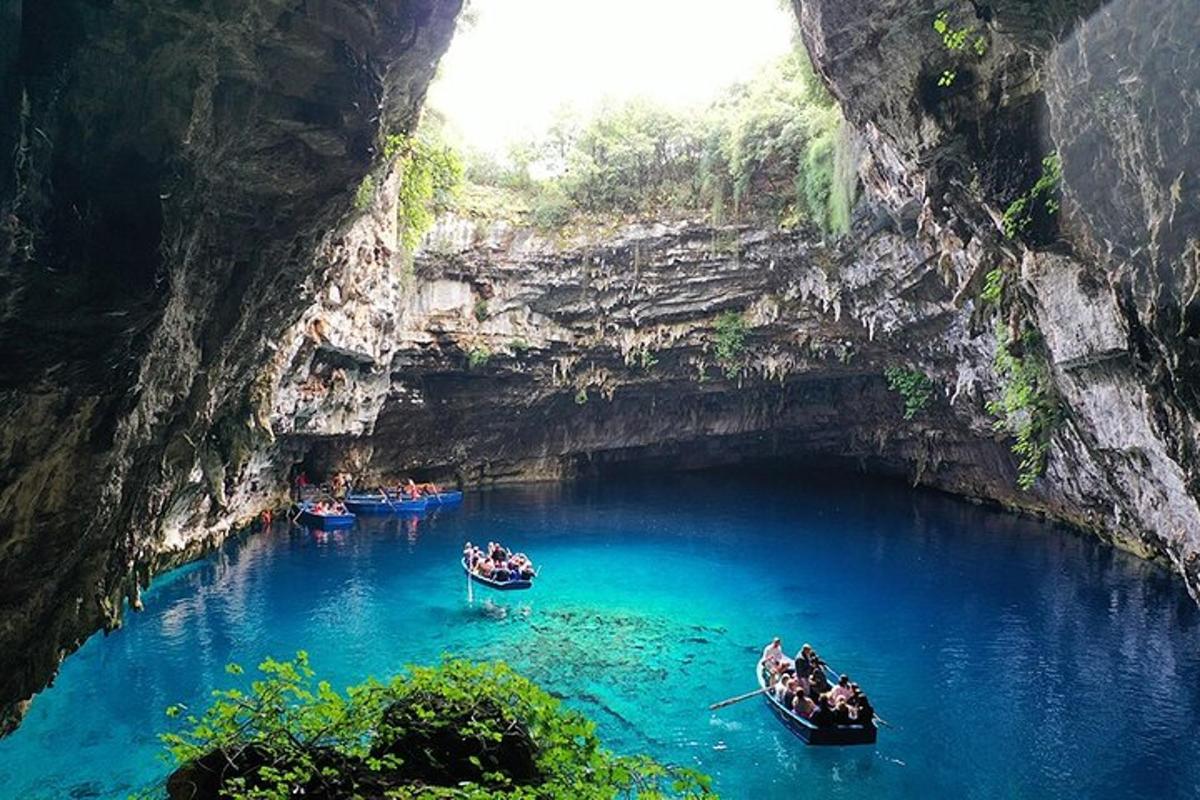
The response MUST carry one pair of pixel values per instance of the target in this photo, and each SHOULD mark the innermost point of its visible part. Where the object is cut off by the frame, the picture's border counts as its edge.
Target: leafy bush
(1027, 408)
(993, 286)
(480, 311)
(478, 357)
(365, 193)
(430, 175)
(957, 40)
(464, 730)
(1037, 207)
(913, 385)
(731, 344)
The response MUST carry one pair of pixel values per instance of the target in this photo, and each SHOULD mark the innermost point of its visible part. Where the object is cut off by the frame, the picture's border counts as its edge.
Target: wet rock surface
(173, 170)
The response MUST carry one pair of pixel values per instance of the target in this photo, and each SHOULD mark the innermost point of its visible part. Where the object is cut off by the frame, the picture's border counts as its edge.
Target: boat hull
(326, 522)
(500, 586)
(814, 734)
(445, 498)
(372, 504)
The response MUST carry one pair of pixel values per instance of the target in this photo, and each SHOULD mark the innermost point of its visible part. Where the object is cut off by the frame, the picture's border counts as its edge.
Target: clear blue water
(1013, 660)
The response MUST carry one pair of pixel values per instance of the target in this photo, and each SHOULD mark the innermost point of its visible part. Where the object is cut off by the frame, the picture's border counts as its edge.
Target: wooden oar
(737, 699)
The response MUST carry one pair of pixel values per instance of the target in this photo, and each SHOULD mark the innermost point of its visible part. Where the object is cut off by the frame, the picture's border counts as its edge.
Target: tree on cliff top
(770, 150)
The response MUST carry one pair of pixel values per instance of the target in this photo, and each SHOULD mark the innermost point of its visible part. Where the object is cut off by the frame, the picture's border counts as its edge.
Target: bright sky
(505, 77)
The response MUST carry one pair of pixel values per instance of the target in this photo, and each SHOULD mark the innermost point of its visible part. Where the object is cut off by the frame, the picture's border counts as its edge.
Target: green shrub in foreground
(457, 730)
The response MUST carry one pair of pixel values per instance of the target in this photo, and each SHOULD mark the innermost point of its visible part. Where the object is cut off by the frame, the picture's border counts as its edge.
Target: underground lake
(1010, 658)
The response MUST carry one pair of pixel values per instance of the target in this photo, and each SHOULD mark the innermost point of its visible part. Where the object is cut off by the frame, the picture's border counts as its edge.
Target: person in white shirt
(773, 652)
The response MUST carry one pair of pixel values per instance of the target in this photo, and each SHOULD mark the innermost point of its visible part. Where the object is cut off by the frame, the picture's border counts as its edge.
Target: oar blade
(737, 699)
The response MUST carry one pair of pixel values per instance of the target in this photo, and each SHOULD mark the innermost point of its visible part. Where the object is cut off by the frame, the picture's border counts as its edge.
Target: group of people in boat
(413, 490)
(801, 685)
(341, 484)
(327, 508)
(497, 563)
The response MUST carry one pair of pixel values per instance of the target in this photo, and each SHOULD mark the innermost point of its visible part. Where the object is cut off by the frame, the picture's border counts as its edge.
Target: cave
(904, 293)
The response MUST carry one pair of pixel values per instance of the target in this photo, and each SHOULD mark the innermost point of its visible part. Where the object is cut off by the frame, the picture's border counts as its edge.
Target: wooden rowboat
(382, 504)
(324, 520)
(503, 586)
(811, 733)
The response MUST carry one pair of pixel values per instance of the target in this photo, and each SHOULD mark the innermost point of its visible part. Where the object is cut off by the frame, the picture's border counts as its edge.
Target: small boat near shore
(808, 731)
(313, 517)
(503, 586)
(383, 504)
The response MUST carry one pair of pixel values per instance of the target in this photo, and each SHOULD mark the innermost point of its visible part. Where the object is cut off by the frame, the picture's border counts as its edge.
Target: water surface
(1012, 659)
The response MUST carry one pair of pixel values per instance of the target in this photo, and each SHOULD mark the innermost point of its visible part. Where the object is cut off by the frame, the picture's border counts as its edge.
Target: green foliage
(519, 345)
(993, 286)
(646, 359)
(430, 176)
(581, 396)
(311, 737)
(730, 344)
(913, 385)
(481, 309)
(1042, 201)
(365, 193)
(1027, 408)
(957, 40)
(774, 148)
(478, 357)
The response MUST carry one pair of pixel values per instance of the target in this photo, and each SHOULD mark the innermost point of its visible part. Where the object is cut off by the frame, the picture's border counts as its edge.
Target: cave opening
(816, 332)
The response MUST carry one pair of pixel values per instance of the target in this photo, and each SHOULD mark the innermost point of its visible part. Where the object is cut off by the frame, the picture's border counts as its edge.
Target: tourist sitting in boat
(842, 691)
(861, 710)
(842, 714)
(823, 715)
(407, 489)
(818, 683)
(803, 706)
(773, 653)
(807, 660)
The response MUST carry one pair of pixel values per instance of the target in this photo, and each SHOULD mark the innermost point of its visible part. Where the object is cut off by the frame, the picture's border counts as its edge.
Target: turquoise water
(1012, 660)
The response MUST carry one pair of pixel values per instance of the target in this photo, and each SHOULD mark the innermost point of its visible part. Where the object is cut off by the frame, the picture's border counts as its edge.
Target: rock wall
(1110, 87)
(174, 169)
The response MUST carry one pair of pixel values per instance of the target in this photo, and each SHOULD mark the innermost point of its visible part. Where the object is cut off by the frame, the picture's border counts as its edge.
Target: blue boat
(382, 504)
(808, 731)
(325, 520)
(503, 586)
(446, 498)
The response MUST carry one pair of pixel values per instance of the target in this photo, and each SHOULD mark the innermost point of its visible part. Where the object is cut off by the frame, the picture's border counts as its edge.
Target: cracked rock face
(1112, 88)
(174, 169)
